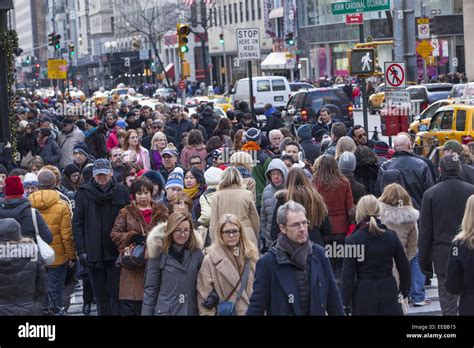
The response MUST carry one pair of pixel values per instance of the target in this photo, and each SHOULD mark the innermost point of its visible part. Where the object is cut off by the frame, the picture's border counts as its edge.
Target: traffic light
(290, 41)
(57, 41)
(221, 39)
(182, 31)
(27, 60)
(72, 49)
(51, 37)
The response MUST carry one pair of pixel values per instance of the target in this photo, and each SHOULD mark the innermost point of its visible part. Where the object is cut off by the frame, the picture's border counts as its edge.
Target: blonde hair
(345, 144)
(230, 177)
(246, 248)
(466, 236)
(368, 206)
(395, 195)
(173, 222)
(155, 139)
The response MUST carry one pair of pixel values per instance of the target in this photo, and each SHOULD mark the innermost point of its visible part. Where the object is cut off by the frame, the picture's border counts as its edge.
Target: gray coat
(51, 154)
(269, 200)
(66, 143)
(170, 286)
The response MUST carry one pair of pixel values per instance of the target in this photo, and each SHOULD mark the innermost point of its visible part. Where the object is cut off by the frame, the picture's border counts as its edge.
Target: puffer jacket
(269, 200)
(23, 285)
(66, 143)
(20, 210)
(58, 216)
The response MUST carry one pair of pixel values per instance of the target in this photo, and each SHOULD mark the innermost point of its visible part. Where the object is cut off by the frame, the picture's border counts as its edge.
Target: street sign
(423, 28)
(248, 44)
(57, 69)
(398, 98)
(424, 49)
(395, 76)
(355, 18)
(362, 61)
(356, 6)
(182, 85)
(290, 63)
(435, 44)
(431, 61)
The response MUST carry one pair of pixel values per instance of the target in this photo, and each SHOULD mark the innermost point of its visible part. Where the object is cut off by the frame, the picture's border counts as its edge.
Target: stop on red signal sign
(182, 84)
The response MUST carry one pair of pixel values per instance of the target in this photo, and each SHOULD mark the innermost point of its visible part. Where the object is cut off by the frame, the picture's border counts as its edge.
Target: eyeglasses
(227, 233)
(157, 127)
(297, 224)
(361, 135)
(181, 232)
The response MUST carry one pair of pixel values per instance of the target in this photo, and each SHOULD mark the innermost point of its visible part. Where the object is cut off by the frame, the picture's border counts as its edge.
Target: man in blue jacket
(295, 277)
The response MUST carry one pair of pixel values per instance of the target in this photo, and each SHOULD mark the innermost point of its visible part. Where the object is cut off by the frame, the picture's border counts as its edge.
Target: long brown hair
(327, 173)
(127, 137)
(173, 222)
(238, 139)
(298, 189)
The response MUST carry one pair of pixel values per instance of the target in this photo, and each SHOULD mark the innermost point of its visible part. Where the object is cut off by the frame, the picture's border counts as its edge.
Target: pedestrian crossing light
(51, 39)
(290, 41)
(182, 31)
(221, 39)
(362, 61)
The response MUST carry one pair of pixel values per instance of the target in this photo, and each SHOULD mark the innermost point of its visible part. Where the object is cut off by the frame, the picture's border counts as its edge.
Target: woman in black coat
(47, 148)
(368, 285)
(367, 169)
(460, 271)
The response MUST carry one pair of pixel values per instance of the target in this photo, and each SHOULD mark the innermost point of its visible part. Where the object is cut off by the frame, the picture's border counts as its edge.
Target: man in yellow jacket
(58, 216)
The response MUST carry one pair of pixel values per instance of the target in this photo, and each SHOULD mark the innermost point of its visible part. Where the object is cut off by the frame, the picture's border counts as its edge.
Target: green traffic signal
(184, 49)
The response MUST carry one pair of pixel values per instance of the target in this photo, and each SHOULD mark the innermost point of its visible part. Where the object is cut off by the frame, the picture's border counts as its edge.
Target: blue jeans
(417, 291)
(56, 281)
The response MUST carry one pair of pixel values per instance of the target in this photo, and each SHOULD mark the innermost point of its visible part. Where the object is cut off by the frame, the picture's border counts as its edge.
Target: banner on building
(289, 17)
(269, 23)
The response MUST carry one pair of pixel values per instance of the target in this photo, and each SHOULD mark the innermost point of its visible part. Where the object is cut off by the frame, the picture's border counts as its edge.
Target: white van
(273, 90)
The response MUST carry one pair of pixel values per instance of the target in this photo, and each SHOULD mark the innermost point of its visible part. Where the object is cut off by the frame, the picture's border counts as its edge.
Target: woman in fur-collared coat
(174, 260)
(223, 266)
(132, 225)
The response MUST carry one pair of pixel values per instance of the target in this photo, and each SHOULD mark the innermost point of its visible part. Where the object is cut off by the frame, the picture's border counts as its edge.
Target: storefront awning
(276, 13)
(275, 61)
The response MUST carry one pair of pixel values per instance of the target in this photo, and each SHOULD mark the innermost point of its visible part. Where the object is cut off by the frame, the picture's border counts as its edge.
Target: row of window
(234, 13)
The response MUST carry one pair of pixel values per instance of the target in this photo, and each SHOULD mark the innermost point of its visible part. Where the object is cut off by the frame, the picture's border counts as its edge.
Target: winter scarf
(298, 253)
(251, 146)
(244, 172)
(192, 192)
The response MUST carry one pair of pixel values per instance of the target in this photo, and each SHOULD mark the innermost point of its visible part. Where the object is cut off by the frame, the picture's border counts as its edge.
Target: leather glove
(347, 310)
(138, 239)
(211, 301)
(83, 260)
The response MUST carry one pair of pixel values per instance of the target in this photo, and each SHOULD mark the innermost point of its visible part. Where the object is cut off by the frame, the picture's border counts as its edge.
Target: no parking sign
(395, 76)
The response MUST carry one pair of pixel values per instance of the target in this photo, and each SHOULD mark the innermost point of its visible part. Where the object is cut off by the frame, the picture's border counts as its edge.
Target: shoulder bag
(133, 256)
(47, 253)
(227, 308)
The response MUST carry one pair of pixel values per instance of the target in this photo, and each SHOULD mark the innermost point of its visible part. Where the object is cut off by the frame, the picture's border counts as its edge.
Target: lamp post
(5, 135)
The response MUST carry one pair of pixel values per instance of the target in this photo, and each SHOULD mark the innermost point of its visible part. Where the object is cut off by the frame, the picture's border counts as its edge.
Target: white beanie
(31, 179)
(213, 176)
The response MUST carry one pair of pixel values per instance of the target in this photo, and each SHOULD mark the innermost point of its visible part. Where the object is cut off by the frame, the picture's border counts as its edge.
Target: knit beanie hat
(31, 179)
(13, 187)
(155, 177)
(176, 178)
(46, 179)
(213, 176)
(304, 132)
(81, 148)
(381, 148)
(347, 162)
(253, 134)
(241, 157)
(10, 230)
(71, 169)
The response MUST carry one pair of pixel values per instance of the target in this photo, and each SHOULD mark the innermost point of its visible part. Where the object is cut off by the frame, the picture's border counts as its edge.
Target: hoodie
(269, 200)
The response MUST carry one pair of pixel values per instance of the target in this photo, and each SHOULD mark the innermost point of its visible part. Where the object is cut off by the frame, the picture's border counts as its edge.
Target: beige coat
(251, 185)
(238, 201)
(219, 273)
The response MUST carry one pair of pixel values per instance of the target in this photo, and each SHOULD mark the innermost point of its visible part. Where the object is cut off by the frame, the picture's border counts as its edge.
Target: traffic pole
(364, 84)
(252, 109)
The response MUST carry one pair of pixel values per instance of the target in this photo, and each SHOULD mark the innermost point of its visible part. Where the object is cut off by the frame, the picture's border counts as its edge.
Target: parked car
(422, 121)
(297, 86)
(457, 91)
(169, 94)
(304, 106)
(273, 90)
(428, 93)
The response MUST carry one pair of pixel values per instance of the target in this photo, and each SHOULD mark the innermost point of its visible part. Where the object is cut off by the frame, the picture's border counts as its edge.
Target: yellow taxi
(451, 122)
(119, 93)
(218, 100)
(377, 99)
(422, 121)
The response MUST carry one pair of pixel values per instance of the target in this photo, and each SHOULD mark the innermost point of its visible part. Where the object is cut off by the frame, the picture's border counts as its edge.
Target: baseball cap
(101, 166)
(453, 145)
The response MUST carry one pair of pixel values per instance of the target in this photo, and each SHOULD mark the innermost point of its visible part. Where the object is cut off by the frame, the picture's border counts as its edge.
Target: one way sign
(362, 61)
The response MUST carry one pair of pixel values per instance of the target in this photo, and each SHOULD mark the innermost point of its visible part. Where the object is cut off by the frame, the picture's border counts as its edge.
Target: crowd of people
(162, 212)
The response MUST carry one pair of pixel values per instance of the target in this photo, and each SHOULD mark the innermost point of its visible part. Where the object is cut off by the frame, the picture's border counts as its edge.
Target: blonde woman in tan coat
(220, 276)
(398, 214)
(232, 198)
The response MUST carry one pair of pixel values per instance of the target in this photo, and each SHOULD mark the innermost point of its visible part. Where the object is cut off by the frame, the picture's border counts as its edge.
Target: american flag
(192, 2)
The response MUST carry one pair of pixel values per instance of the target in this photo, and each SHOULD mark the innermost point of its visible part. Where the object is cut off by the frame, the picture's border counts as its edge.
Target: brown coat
(130, 222)
(237, 201)
(219, 273)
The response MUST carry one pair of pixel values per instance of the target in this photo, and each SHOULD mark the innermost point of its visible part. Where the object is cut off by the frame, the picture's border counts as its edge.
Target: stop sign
(182, 84)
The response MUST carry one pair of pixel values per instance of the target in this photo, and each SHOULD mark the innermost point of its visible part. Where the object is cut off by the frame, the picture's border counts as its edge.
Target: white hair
(274, 132)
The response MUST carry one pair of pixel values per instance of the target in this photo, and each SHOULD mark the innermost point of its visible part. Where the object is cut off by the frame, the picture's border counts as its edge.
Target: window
(225, 14)
(278, 85)
(236, 15)
(263, 86)
(247, 14)
(241, 6)
(461, 120)
(259, 4)
(230, 14)
(447, 122)
(253, 9)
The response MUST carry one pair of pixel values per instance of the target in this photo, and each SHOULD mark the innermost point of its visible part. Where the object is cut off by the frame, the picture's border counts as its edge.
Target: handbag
(46, 252)
(26, 160)
(133, 256)
(227, 308)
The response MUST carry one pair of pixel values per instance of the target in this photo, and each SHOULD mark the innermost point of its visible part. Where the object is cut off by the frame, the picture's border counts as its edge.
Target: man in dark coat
(441, 215)
(208, 120)
(311, 149)
(360, 137)
(294, 277)
(177, 126)
(467, 171)
(98, 203)
(274, 119)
